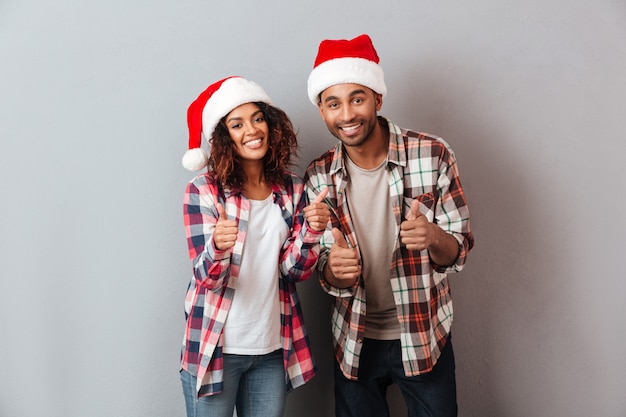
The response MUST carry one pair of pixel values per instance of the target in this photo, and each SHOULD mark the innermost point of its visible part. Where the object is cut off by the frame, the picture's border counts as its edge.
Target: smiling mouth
(350, 129)
(255, 143)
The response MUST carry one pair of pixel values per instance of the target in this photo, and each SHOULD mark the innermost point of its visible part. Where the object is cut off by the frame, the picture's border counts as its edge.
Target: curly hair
(283, 147)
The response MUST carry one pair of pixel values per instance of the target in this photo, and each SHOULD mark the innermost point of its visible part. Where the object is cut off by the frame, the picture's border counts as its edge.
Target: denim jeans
(254, 384)
(432, 394)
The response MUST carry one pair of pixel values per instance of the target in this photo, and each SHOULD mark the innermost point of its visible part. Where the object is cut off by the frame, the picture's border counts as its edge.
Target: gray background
(93, 259)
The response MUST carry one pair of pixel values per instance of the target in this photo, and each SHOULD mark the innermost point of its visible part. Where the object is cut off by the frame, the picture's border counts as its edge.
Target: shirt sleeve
(452, 213)
(301, 250)
(315, 182)
(211, 266)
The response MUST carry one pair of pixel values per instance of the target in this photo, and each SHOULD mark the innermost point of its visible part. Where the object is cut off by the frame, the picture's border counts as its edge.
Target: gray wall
(93, 263)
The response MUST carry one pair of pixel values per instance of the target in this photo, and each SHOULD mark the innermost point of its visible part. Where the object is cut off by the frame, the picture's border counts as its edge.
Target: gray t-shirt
(375, 227)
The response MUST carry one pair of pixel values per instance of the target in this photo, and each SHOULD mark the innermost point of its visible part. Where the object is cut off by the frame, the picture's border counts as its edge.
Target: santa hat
(207, 110)
(342, 61)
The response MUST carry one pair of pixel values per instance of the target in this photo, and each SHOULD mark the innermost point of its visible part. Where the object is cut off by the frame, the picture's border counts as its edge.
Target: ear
(379, 101)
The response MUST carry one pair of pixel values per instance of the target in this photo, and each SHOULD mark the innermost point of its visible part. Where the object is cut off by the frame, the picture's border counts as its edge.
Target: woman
(251, 237)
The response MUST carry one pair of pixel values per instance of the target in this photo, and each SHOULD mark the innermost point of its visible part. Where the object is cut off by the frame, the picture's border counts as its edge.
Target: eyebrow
(232, 119)
(352, 94)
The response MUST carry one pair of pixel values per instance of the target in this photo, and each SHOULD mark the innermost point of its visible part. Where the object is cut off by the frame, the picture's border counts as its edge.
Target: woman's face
(249, 131)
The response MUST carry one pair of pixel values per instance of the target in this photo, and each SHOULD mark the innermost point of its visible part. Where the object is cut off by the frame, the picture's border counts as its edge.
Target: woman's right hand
(225, 233)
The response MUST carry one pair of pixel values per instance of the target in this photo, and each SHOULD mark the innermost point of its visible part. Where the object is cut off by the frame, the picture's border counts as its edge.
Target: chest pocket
(427, 203)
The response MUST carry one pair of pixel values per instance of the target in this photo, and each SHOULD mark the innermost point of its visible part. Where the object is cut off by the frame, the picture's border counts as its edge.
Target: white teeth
(255, 142)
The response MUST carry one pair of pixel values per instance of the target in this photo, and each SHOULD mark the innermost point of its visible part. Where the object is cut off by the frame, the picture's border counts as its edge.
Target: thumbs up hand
(416, 232)
(225, 233)
(343, 266)
(340, 239)
(317, 213)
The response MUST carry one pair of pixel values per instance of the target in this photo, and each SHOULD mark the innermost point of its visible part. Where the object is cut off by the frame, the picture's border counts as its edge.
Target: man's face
(349, 111)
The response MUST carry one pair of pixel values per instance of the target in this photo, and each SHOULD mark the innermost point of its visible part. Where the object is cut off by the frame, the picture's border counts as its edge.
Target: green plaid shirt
(422, 167)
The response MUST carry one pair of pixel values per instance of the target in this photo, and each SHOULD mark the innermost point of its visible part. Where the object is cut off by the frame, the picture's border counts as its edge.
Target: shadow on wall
(499, 295)
(316, 398)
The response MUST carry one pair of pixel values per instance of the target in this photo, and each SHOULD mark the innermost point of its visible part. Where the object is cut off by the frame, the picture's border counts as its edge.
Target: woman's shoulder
(293, 182)
(204, 181)
(292, 186)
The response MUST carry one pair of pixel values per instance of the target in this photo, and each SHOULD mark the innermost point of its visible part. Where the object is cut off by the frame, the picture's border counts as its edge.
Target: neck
(373, 151)
(254, 171)
(255, 186)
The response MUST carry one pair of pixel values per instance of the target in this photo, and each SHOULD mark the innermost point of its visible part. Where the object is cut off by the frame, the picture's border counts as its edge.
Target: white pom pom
(195, 159)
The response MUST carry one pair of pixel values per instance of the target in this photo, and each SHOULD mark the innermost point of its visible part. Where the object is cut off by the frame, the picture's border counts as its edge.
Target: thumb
(321, 196)
(414, 212)
(340, 240)
(221, 211)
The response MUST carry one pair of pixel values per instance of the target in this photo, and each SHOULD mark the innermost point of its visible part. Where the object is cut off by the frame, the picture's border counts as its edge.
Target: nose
(250, 129)
(347, 113)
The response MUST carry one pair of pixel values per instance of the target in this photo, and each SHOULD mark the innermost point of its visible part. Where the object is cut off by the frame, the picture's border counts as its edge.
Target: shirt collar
(397, 151)
(277, 190)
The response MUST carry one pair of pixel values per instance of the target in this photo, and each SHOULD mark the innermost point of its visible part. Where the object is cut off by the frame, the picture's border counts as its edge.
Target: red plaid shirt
(419, 167)
(215, 273)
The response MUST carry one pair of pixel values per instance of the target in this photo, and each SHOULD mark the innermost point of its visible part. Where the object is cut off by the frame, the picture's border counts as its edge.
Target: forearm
(300, 253)
(211, 267)
(444, 248)
(453, 222)
(333, 281)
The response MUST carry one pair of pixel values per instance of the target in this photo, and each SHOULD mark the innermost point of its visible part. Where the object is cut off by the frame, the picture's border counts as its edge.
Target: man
(400, 224)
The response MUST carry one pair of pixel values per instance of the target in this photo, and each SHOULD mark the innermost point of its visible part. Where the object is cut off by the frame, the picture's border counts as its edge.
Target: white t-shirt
(253, 323)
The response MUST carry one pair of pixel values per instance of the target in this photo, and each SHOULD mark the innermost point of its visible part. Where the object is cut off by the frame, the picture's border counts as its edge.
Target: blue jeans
(255, 384)
(432, 394)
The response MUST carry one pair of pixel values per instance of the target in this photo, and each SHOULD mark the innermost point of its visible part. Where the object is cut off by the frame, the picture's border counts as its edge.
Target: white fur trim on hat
(233, 93)
(345, 71)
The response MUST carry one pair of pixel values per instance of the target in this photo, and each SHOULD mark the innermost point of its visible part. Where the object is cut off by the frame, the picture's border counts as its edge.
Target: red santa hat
(207, 110)
(346, 61)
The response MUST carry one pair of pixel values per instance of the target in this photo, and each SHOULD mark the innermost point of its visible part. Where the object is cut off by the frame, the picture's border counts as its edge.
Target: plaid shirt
(421, 167)
(213, 285)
